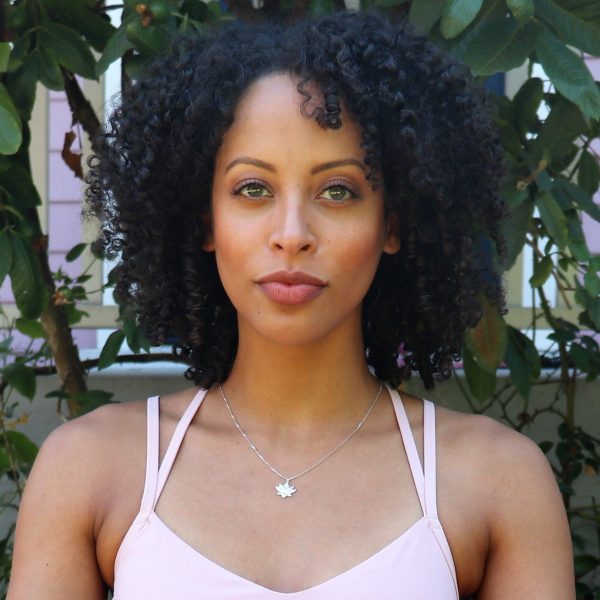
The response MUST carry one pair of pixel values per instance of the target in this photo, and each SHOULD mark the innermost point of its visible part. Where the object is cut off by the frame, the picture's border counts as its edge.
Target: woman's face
(296, 228)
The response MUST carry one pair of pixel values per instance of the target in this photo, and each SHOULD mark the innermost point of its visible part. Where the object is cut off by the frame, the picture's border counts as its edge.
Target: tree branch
(80, 106)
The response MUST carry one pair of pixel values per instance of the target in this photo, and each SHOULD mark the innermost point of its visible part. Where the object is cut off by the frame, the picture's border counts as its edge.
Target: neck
(300, 389)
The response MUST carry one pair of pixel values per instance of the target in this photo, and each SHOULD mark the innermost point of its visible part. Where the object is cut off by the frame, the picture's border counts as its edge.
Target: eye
(252, 189)
(338, 192)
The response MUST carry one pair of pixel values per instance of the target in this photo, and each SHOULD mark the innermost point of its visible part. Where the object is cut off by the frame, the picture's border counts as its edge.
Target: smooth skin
(289, 195)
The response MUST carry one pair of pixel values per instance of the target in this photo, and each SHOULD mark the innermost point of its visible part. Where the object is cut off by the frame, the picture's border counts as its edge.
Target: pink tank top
(155, 564)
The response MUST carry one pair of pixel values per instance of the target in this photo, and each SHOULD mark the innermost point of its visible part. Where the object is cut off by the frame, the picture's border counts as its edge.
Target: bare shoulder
(498, 458)
(508, 495)
(100, 432)
(64, 503)
(83, 456)
(90, 470)
(105, 446)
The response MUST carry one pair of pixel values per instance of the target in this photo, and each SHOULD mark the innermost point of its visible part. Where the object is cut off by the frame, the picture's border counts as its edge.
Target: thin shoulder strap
(429, 458)
(152, 412)
(175, 443)
(429, 449)
(409, 447)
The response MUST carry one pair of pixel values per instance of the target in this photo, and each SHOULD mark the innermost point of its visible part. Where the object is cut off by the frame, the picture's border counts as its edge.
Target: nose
(292, 232)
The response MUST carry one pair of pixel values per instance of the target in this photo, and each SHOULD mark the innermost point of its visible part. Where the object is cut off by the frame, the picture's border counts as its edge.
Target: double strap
(424, 476)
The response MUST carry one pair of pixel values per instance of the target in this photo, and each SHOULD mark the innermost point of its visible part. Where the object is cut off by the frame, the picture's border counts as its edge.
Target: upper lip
(291, 278)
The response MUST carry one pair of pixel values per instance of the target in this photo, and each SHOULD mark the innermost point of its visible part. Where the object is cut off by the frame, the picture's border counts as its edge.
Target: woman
(304, 208)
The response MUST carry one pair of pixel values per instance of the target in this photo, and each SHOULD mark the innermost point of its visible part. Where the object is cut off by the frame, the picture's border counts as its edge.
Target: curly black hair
(428, 139)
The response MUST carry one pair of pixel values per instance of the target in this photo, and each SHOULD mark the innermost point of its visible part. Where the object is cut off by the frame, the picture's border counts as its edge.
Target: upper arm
(54, 554)
(530, 552)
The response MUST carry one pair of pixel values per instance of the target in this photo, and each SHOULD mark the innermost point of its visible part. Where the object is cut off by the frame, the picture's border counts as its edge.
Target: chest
(220, 504)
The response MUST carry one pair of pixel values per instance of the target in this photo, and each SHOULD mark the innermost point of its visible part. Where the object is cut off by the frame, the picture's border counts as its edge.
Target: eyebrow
(248, 160)
(338, 163)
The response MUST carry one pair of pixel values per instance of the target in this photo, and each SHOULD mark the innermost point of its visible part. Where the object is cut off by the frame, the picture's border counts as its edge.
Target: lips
(291, 287)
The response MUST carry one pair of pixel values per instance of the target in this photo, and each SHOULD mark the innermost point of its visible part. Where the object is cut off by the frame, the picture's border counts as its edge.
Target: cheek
(363, 249)
(357, 263)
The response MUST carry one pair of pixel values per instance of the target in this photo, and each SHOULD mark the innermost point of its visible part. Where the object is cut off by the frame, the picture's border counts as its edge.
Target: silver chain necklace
(285, 489)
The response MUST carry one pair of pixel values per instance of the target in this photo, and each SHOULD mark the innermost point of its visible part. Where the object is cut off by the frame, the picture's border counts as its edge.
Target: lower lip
(290, 294)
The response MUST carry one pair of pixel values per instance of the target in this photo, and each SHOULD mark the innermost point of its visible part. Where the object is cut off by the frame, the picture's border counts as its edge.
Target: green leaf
(6, 256)
(512, 192)
(150, 40)
(510, 139)
(92, 399)
(136, 66)
(68, 49)
(546, 446)
(592, 284)
(577, 195)
(10, 124)
(5, 49)
(133, 334)
(21, 377)
(48, 70)
(591, 317)
(141, 341)
(541, 272)
(584, 563)
(577, 22)
(457, 15)
(544, 182)
(74, 315)
(116, 46)
(215, 12)
(60, 394)
(588, 175)
(318, 8)
(424, 14)
(75, 252)
(28, 287)
(487, 340)
(522, 360)
(83, 17)
(4, 462)
(21, 48)
(500, 45)
(522, 10)
(553, 218)
(581, 357)
(527, 102)
(23, 447)
(514, 228)
(482, 383)
(22, 84)
(577, 242)
(194, 10)
(18, 184)
(568, 73)
(564, 124)
(490, 10)
(30, 328)
(111, 349)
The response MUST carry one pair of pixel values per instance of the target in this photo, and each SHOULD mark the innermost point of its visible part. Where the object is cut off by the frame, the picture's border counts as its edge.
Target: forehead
(271, 118)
